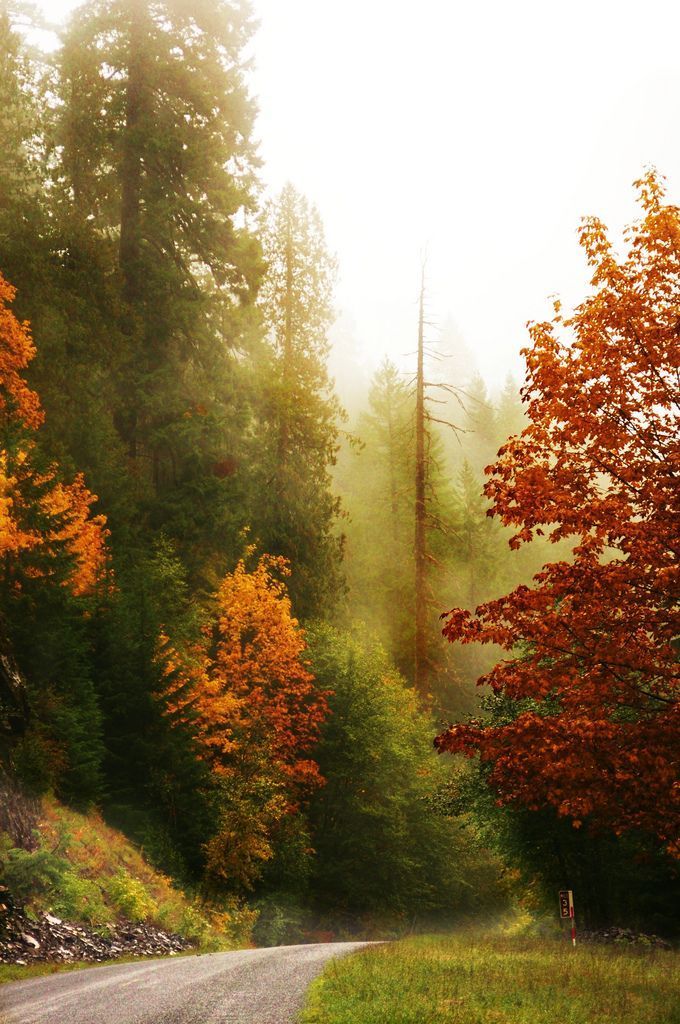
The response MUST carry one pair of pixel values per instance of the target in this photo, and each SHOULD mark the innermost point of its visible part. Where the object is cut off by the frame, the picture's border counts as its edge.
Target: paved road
(251, 986)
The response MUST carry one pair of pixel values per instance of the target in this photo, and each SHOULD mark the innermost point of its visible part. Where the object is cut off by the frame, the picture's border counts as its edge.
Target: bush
(129, 897)
(281, 920)
(28, 875)
(80, 899)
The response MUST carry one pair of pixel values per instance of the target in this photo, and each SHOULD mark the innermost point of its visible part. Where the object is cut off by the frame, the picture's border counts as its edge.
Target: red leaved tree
(592, 643)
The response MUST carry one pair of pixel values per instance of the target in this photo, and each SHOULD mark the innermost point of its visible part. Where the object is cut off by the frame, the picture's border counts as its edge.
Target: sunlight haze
(477, 133)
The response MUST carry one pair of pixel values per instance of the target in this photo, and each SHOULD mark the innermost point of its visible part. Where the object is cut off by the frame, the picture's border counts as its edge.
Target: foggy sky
(479, 132)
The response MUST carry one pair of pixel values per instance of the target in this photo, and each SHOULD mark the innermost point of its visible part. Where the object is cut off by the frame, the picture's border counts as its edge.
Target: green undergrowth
(468, 978)
(87, 872)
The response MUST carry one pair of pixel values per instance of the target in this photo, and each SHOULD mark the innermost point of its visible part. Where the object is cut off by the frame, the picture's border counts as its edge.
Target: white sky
(482, 131)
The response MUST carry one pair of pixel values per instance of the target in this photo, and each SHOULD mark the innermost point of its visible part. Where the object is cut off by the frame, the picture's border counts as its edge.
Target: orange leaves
(17, 401)
(592, 642)
(258, 655)
(248, 684)
(13, 538)
(246, 693)
(39, 515)
(83, 536)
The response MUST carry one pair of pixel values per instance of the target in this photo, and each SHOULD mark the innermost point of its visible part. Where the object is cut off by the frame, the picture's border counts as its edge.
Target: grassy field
(468, 979)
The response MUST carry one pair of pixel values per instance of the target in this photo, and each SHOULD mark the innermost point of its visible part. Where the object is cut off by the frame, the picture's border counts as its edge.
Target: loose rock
(24, 940)
(625, 937)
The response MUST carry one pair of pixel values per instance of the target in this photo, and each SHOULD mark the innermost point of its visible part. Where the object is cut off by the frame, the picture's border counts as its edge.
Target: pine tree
(296, 513)
(375, 479)
(23, 251)
(158, 169)
(52, 568)
(476, 538)
(510, 413)
(480, 421)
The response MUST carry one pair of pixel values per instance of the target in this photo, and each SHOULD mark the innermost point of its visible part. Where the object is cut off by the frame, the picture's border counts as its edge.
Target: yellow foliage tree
(256, 713)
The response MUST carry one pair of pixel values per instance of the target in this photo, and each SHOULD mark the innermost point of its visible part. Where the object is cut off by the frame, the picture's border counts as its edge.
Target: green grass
(472, 979)
(22, 972)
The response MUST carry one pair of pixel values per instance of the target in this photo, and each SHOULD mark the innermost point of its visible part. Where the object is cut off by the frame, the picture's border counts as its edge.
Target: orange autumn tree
(591, 669)
(53, 564)
(255, 711)
(46, 526)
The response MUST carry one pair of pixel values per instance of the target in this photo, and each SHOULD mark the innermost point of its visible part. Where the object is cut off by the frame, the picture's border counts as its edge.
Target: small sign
(566, 903)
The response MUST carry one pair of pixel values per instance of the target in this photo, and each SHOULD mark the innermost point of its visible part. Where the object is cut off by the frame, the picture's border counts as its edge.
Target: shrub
(129, 896)
(30, 874)
(80, 899)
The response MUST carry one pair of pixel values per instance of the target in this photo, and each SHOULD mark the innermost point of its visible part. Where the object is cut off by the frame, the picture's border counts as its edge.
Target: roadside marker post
(566, 898)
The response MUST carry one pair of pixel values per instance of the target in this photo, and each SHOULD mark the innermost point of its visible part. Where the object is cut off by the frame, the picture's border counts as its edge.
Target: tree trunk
(14, 707)
(420, 547)
(287, 347)
(131, 200)
(131, 164)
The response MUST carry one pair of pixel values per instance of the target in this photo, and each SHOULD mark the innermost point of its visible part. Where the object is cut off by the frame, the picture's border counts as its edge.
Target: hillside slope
(75, 888)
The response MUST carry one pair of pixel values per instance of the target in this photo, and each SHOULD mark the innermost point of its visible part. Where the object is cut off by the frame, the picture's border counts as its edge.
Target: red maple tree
(592, 643)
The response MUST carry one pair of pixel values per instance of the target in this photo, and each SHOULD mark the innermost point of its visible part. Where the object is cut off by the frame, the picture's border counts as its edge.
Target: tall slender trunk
(420, 546)
(131, 163)
(287, 349)
(394, 506)
(14, 698)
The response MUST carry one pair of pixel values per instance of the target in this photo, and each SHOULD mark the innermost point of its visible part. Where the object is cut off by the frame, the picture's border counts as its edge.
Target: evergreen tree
(480, 422)
(376, 480)
(22, 163)
(510, 413)
(377, 808)
(157, 788)
(296, 513)
(157, 167)
(475, 535)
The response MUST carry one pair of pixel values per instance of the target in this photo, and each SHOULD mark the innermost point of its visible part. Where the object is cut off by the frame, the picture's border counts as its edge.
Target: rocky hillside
(72, 888)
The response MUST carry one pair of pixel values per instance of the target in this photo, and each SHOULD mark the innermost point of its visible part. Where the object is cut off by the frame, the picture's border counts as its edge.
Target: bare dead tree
(425, 516)
(420, 542)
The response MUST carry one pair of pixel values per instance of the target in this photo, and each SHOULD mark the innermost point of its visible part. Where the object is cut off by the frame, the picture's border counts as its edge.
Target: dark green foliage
(155, 168)
(381, 846)
(49, 635)
(140, 286)
(31, 873)
(22, 159)
(53, 645)
(157, 788)
(197, 411)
